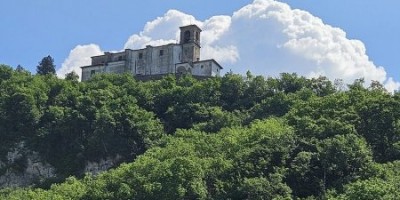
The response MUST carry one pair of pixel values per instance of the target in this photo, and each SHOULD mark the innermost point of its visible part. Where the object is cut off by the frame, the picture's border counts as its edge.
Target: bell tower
(190, 41)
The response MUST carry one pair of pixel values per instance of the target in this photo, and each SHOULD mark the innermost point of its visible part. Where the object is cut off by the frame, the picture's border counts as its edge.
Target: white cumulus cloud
(266, 37)
(78, 57)
(162, 30)
(274, 38)
(392, 85)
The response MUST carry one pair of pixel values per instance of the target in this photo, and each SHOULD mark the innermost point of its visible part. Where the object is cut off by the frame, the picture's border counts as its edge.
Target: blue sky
(31, 30)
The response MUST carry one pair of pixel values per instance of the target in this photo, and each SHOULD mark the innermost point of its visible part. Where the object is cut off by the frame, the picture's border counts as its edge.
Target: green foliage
(194, 165)
(213, 119)
(379, 123)
(72, 76)
(70, 189)
(70, 123)
(384, 185)
(232, 91)
(371, 189)
(5, 73)
(231, 137)
(343, 159)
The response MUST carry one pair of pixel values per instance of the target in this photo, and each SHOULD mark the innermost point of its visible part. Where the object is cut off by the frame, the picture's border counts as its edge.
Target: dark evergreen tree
(46, 66)
(19, 68)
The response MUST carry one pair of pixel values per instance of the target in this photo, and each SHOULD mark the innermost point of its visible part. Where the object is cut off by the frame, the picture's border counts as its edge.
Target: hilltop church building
(156, 61)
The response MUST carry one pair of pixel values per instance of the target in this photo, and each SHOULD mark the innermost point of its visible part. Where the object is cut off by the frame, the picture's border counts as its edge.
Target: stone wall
(156, 60)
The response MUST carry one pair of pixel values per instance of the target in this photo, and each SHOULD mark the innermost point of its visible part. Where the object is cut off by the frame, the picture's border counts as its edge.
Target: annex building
(153, 61)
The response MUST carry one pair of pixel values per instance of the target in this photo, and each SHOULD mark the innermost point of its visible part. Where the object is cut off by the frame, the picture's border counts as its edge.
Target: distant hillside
(230, 137)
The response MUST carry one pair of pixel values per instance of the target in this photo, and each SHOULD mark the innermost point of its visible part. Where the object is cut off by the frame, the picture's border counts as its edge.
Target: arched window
(186, 36)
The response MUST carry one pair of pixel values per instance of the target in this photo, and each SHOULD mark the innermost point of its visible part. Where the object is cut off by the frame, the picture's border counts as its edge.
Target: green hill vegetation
(232, 137)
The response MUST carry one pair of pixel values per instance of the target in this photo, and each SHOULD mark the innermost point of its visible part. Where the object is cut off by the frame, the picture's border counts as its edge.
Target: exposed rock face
(95, 168)
(23, 167)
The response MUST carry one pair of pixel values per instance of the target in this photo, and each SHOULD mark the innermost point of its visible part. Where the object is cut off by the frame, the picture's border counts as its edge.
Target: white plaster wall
(86, 72)
(137, 66)
(152, 63)
(141, 64)
(115, 67)
(198, 70)
(130, 62)
(216, 70)
(183, 65)
(163, 64)
(156, 60)
(176, 57)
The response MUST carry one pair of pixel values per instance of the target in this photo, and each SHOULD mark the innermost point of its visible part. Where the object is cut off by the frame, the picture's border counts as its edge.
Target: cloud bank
(266, 37)
(78, 57)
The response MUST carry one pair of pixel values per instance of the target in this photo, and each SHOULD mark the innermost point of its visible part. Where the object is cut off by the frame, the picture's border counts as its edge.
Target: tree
(322, 86)
(5, 73)
(343, 159)
(290, 83)
(46, 66)
(72, 76)
(379, 124)
(19, 68)
(232, 90)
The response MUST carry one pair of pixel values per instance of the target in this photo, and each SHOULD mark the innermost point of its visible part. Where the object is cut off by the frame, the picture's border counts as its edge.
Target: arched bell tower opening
(186, 36)
(190, 41)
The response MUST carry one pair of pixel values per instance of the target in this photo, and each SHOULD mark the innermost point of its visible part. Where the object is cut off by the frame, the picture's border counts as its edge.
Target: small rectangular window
(161, 52)
(140, 55)
(92, 72)
(119, 58)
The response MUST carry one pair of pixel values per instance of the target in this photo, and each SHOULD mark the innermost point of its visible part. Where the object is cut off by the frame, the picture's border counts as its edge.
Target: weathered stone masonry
(182, 58)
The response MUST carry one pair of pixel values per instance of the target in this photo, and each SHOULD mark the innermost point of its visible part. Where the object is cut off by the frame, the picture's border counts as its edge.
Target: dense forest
(230, 137)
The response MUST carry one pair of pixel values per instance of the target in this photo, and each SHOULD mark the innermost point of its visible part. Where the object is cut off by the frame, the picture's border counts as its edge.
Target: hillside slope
(229, 137)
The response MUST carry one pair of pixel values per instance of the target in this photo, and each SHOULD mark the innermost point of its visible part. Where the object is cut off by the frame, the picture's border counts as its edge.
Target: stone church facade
(153, 61)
